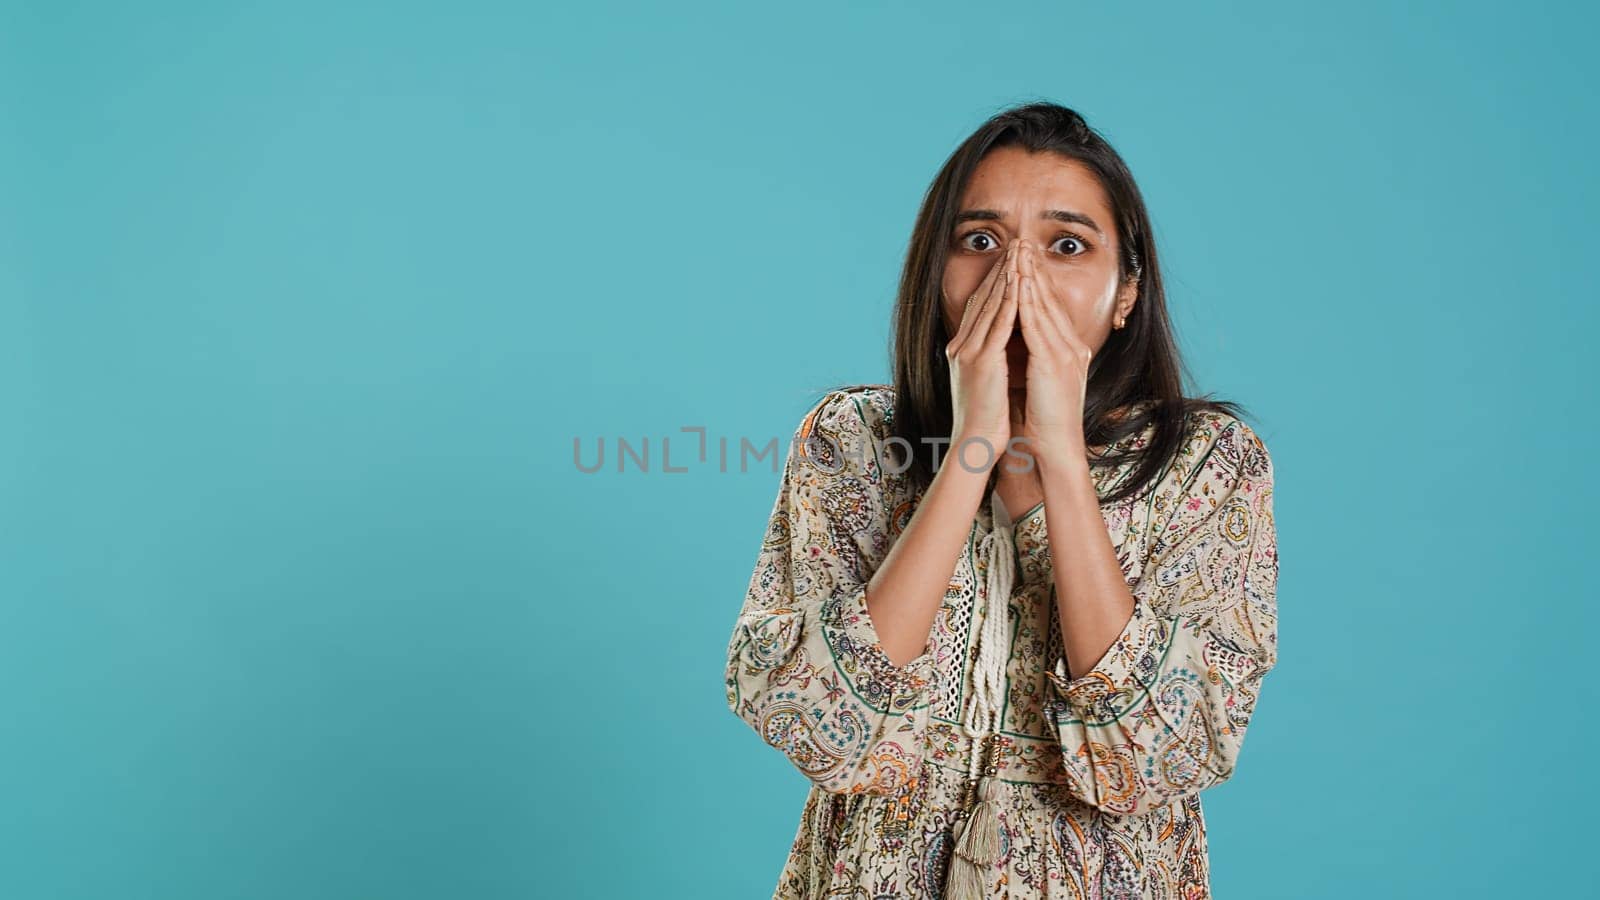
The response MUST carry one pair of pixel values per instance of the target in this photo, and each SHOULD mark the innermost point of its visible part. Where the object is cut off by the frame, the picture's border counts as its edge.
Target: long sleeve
(805, 667)
(1162, 715)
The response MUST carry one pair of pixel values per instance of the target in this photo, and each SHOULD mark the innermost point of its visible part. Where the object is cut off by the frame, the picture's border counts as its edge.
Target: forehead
(1011, 177)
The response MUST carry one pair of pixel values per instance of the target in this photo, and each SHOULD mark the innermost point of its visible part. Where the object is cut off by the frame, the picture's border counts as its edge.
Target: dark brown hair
(1139, 362)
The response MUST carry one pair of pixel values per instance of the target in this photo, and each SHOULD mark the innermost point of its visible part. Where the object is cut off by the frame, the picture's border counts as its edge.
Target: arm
(1092, 598)
(1161, 712)
(806, 667)
(907, 591)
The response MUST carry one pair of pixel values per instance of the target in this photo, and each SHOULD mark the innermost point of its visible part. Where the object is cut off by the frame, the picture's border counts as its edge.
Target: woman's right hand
(978, 369)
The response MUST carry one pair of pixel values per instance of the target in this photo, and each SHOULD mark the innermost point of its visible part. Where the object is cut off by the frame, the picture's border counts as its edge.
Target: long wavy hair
(1139, 366)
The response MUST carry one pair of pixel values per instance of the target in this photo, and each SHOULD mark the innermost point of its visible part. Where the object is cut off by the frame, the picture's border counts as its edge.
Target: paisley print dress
(1102, 773)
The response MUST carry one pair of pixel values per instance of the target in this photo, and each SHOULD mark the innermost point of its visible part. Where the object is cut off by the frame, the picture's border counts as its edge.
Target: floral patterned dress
(1101, 773)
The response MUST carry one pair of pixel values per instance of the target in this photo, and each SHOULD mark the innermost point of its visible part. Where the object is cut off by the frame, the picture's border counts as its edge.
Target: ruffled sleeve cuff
(767, 638)
(859, 652)
(1123, 675)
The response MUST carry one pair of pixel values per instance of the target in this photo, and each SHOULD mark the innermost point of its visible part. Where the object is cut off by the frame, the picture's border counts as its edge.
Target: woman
(1012, 674)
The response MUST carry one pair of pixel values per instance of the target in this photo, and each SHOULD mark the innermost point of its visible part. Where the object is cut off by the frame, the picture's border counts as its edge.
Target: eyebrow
(1059, 215)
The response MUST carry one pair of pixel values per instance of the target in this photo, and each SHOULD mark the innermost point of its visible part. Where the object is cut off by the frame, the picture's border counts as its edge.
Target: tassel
(983, 834)
(977, 847)
(965, 881)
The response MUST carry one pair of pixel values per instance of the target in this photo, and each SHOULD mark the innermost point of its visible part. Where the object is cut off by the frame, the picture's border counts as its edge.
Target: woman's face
(1058, 209)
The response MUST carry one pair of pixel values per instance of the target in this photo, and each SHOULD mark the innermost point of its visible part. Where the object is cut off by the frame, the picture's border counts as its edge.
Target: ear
(1127, 296)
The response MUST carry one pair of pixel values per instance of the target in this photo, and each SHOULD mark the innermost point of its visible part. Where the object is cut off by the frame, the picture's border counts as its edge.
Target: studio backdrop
(397, 399)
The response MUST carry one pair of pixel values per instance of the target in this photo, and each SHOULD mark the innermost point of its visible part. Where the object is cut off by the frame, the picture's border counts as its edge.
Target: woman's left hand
(1058, 371)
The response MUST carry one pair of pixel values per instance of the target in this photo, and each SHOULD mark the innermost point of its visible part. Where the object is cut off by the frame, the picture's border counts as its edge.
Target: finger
(1046, 339)
(1054, 324)
(964, 326)
(994, 303)
(1005, 314)
(983, 318)
(1035, 330)
(1033, 333)
(974, 307)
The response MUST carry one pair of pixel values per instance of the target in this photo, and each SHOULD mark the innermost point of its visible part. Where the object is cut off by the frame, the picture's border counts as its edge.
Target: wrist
(1060, 459)
(975, 453)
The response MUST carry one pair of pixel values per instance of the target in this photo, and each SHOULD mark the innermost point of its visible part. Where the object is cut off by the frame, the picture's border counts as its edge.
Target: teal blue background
(302, 306)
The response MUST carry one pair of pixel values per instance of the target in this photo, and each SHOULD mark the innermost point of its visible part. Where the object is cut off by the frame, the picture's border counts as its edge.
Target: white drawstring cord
(980, 833)
(994, 646)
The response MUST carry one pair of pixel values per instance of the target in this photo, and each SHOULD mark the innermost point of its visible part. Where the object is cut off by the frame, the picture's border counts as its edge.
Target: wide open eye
(1074, 239)
(988, 239)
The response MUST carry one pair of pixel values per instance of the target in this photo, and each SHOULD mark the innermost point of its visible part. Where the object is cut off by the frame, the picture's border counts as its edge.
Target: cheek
(1085, 292)
(956, 287)
(1066, 292)
(1083, 303)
